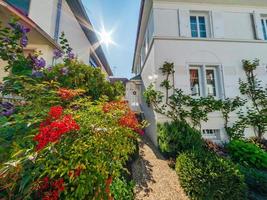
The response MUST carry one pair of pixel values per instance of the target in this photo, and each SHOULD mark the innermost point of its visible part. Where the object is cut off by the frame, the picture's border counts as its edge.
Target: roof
(82, 17)
(136, 78)
(28, 22)
(138, 30)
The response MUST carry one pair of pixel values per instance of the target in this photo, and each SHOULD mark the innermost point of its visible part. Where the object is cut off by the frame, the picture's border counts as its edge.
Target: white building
(54, 17)
(206, 40)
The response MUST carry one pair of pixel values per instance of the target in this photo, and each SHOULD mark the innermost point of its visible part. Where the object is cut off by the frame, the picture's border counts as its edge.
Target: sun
(106, 37)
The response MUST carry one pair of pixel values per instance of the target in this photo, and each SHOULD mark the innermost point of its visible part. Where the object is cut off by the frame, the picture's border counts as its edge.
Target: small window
(264, 27)
(198, 24)
(211, 134)
(22, 5)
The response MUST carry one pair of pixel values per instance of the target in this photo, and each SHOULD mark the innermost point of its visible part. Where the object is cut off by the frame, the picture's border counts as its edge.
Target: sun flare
(106, 37)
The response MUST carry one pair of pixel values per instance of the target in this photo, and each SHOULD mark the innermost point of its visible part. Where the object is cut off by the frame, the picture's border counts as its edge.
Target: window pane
(193, 24)
(202, 27)
(194, 82)
(264, 29)
(22, 5)
(211, 86)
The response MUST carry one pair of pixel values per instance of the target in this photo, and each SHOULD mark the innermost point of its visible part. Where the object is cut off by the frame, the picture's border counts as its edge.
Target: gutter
(138, 31)
(29, 22)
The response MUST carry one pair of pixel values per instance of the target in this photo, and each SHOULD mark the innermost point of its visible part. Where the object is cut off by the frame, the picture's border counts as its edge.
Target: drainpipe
(56, 33)
(59, 6)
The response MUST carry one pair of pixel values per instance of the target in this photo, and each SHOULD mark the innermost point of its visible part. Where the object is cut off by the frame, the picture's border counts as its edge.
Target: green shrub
(177, 137)
(205, 176)
(256, 180)
(122, 190)
(81, 76)
(248, 154)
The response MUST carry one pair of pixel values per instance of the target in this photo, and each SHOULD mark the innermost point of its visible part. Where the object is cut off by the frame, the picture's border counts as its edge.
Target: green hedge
(205, 176)
(248, 154)
(256, 180)
(177, 137)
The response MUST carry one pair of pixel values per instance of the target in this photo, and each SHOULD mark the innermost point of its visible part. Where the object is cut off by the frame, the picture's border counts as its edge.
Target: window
(194, 82)
(204, 80)
(264, 27)
(92, 62)
(22, 5)
(210, 81)
(211, 133)
(198, 26)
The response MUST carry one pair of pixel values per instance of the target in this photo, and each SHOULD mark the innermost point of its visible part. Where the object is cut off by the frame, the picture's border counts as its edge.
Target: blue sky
(121, 16)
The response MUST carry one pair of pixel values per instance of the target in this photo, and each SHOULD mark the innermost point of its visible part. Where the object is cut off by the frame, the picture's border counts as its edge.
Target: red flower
(50, 190)
(67, 94)
(54, 127)
(55, 112)
(108, 183)
(115, 105)
(129, 120)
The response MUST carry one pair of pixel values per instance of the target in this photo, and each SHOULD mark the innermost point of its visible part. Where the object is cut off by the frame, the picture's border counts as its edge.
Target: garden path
(155, 180)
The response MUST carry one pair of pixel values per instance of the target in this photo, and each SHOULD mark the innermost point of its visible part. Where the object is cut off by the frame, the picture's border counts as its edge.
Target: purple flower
(64, 71)
(37, 74)
(39, 63)
(57, 54)
(6, 40)
(71, 55)
(19, 27)
(24, 41)
(7, 109)
(49, 68)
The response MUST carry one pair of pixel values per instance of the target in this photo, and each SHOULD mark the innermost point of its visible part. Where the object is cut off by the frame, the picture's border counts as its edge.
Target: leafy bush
(122, 190)
(77, 75)
(256, 180)
(219, 149)
(205, 176)
(177, 137)
(60, 141)
(248, 154)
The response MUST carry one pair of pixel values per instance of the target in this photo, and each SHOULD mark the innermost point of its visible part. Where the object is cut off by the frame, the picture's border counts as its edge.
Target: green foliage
(256, 180)
(256, 114)
(122, 190)
(205, 176)
(227, 107)
(179, 106)
(82, 76)
(248, 154)
(177, 137)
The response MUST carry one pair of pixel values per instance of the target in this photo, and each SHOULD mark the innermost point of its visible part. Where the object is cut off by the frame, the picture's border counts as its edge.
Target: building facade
(56, 16)
(206, 40)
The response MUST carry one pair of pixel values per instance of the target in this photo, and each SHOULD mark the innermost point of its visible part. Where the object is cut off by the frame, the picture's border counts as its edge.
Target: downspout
(56, 33)
(59, 6)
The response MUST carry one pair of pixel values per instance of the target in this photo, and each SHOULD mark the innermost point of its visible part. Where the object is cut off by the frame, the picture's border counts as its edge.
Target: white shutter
(218, 24)
(258, 26)
(184, 23)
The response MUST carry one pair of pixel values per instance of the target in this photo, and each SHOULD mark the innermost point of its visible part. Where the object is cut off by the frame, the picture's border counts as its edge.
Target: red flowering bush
(54, 127)
(129, 120)
(50, 190)
(115, 105)
(68, 94)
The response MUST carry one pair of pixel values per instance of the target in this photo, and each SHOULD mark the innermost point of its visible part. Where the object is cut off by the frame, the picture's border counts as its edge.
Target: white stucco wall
(238, 43)
(74, 33)
(44, 14)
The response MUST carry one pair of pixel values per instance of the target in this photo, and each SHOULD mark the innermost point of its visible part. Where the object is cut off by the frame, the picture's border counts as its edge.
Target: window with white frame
(264, 27)
(211, 133)
(204, 80)
(199, 24)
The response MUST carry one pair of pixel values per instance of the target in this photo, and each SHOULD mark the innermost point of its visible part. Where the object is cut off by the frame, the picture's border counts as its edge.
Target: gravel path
(155, 180)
